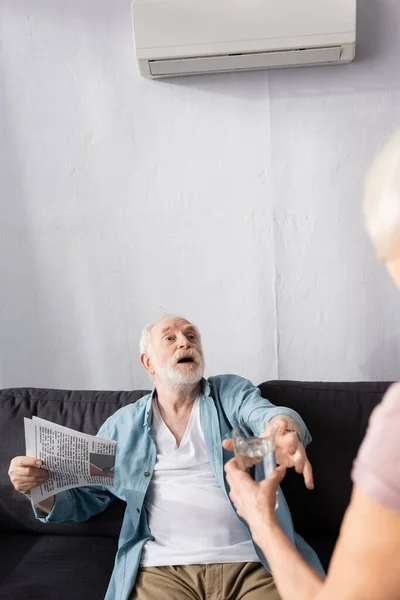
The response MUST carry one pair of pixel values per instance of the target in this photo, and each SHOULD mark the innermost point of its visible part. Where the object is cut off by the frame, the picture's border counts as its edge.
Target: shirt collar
(205, 387)
(205, 391)
(147, 414)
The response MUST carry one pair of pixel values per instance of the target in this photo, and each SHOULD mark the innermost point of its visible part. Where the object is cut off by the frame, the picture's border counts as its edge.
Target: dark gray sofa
(74, 561)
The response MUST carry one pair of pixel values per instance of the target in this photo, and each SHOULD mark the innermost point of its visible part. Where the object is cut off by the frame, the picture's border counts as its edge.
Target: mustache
(189, 353)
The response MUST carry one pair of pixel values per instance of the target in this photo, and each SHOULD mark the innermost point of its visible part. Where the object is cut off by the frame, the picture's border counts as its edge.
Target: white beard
(173, 375)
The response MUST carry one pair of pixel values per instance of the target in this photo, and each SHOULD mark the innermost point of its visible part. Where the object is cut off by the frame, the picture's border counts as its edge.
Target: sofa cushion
(83, 411)
(69, 567)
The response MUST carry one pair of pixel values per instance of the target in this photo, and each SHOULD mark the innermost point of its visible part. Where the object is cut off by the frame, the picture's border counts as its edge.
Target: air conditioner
(186, 37)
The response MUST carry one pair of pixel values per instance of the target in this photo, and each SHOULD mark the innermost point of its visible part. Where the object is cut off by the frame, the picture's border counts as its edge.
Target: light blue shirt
(225, 401)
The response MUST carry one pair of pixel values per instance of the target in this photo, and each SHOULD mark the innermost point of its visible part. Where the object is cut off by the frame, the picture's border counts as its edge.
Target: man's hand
(254, 502)
(289, 451)
(25, 474)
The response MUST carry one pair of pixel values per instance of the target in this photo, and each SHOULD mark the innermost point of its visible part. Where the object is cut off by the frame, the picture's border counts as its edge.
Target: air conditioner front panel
(173, 25)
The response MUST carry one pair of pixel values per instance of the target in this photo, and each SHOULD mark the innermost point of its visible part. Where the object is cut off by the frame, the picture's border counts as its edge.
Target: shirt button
(147, 474)
(138, 510)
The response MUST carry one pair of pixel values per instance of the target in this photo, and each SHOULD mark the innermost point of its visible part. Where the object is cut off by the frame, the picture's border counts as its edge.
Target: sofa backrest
(84, 411)
(336, 413)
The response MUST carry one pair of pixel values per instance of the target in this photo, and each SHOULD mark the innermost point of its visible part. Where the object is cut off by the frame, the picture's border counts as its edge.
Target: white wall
(234, 200)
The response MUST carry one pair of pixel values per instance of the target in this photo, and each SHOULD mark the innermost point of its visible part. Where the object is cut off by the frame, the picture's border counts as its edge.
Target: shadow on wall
(248, 85)
(382, 357)
(375, 66)
(383, 364)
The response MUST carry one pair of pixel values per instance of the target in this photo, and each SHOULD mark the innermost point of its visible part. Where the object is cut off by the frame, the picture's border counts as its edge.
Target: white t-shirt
(189, 515)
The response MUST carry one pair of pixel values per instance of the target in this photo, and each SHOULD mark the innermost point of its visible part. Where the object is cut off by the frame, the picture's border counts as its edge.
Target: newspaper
(73, 459)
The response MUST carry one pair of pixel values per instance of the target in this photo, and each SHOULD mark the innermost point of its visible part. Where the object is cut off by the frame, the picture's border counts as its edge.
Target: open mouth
(185, 359)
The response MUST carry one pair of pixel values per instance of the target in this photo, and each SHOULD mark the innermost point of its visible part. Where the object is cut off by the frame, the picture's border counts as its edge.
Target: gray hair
(144, 343)
(145, 338)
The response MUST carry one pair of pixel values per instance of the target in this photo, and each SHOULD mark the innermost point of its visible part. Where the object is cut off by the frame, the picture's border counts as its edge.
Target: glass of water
(254, 446)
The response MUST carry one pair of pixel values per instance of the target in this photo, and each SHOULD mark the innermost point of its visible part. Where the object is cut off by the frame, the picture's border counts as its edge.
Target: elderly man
(181, 537)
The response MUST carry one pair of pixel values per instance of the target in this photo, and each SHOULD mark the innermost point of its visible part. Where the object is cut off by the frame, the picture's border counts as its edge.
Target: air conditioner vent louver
(243, 61)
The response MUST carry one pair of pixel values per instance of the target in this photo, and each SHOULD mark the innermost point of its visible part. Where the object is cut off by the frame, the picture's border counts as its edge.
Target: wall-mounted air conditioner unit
(186, 37)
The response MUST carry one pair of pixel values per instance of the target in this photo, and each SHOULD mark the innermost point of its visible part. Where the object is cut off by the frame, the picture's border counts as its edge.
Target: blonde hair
(382, 200)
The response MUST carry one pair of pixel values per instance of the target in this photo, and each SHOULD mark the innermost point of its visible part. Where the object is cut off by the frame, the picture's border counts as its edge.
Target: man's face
(175, 354)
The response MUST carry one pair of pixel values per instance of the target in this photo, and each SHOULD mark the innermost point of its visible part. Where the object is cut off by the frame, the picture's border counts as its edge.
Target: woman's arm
(294, 578)
(366, 561)
(255, 502)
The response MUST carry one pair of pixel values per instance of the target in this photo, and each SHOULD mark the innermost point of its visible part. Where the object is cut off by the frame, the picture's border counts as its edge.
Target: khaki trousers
(225, 581)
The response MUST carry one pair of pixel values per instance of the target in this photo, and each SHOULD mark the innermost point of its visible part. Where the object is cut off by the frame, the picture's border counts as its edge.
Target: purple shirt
(376, 470)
